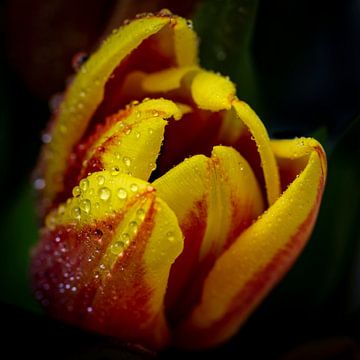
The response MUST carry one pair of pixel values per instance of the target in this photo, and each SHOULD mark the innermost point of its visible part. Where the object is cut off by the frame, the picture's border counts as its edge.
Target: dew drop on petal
(133, 226)
(39, 184)
(84, 184)
(85, 205)
(104, 193)
(125, 237)
(117, 247)
(76, 213)
(76, 191)
(140, 213)
(100, 180)
(134, 188)
(170, 236)
(122, 194)
(126, 161)
(46, 138)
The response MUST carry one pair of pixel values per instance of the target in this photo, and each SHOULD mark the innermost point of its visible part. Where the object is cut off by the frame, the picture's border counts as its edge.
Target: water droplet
(80, 105)
(221, 54)
(74, 289)
(76, 213)
(170, 236)
(85, 205)
(104, 193)
(89, 309)
(46, 138)
(117, 247)
(39, 184)
(79, 60)
(102, 266)
(122, 194)
(127, 161)
(137, 114)
(134, 188)
(126, 238)
(76, 191)
(189, 24)
(164, 12)
(140, 213)
(115, 31)
(133, 226)
(137, 135)
(57, 238)
(127, 131)
(155, 113)
(82, 93)
(100, 180)
(84, 184)
(150, 131)
(152, 166)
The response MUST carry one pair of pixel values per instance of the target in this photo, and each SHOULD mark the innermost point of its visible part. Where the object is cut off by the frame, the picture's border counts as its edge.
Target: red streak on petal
(185, 267)
(147, 58)
(75, 170)
(70, 280)
(257, 287)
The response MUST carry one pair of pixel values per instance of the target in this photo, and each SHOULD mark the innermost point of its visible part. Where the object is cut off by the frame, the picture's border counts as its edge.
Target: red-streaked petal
(214, 199)
(97, 90)
(128, 141)
(104, 259)
(260, 256)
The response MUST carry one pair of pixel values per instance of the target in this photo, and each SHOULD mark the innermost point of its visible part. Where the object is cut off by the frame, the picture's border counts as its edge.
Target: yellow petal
(166, 80)
(113, 243)
(260, 256)
(214, 199)
(212, 92)
(168, 34)
(131, 142)
(259, 134)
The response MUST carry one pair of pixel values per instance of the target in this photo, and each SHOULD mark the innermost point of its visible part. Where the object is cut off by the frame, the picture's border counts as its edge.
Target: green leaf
(19, 234)
(225, 28)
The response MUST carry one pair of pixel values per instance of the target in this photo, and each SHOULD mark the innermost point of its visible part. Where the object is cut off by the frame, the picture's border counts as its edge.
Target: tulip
(168, 213)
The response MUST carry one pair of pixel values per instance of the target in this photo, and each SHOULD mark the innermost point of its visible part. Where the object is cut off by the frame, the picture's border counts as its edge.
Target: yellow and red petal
(244, 274)
(128, 141)
(97, 90)
(256, 133)
(218, 117)
(104, 259)
(214, 199)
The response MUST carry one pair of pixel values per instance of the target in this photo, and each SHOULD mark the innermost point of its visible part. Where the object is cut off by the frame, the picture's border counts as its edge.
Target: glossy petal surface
(105, 256)
(259, 257)
(214, 199)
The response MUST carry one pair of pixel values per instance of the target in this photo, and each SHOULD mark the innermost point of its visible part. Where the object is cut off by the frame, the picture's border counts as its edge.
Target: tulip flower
(168, 213)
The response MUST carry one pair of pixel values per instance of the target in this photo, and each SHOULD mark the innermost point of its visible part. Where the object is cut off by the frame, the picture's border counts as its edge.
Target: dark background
(296, 62)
